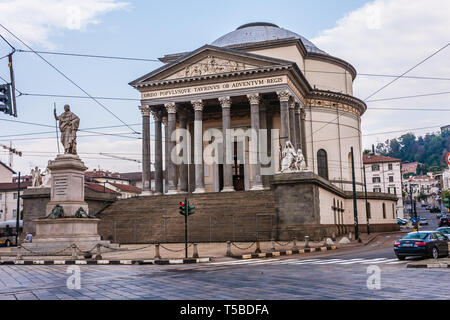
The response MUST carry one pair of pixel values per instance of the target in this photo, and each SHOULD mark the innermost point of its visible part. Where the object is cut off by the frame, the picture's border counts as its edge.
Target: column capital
(198, 105)
(225, 102)
(164, 120)
(291, 103)
(157, 116)
(254, 98)
(171, 107)
(302, 113)
(284, 95)
(145, 110)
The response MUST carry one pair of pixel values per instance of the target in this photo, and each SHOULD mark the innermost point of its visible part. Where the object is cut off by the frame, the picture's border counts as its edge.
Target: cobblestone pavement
(320, 278)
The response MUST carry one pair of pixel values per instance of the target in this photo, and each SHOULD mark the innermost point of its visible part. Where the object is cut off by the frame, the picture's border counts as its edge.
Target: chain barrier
(44, 253)
(171, 250)
(283, 245)
(234, 245)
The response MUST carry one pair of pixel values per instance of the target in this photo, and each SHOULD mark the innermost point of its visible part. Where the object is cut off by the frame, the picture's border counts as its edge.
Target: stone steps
(218, 217)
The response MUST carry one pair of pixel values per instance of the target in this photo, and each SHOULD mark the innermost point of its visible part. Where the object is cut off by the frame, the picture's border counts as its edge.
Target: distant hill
(430, 150)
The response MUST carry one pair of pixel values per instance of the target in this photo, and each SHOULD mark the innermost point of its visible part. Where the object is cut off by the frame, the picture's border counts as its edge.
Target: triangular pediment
(209, 60)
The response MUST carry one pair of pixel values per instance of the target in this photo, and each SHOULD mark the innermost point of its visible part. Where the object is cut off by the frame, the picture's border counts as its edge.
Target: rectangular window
(392, 190)
(375, 167)
(1, 195)
(391, 178)
(14, 213)
(15, 195)
(376, 179)
(390, 166)
(376, 189)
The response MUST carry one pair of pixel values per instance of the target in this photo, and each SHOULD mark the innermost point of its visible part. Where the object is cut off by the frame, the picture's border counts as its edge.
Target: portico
(227, 110)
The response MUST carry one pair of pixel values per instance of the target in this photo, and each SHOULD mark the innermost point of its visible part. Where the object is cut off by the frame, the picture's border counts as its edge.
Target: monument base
(56, 236)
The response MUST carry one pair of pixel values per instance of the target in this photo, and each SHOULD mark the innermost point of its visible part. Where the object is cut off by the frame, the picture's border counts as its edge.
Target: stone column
(171, 120)
(303, 133)
(256, 165)
(166, 153)
(184, 155)
(191, 155)
(158, 154)
(292, 133)
(263, 126)
(225, 102)
(284, 116)
(146, 160)
(198, 147)
(298, 141)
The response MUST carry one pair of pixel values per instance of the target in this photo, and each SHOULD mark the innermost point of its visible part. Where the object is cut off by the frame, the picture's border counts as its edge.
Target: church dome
(261, 31)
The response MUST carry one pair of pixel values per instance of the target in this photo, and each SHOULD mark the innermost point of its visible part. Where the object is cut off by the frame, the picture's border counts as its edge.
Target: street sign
(448, 158)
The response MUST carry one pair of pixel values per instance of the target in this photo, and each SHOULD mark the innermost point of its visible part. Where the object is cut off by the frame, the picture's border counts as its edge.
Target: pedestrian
(29, 238)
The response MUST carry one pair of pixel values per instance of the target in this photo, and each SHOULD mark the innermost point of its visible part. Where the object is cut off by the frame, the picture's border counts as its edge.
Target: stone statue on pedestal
(292, 161)
(68, 125)
(36, 175)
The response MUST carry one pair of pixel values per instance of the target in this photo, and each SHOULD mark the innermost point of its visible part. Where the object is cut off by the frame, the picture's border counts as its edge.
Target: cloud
(389, 37)
(34, 21)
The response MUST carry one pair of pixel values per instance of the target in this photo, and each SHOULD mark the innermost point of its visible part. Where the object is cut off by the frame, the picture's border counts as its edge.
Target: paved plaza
(328, 278)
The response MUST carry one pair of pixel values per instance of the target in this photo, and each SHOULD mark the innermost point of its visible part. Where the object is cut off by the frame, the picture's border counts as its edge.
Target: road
(340, 274)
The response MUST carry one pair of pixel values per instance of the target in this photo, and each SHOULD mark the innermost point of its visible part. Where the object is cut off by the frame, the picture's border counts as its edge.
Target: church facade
(224, 112)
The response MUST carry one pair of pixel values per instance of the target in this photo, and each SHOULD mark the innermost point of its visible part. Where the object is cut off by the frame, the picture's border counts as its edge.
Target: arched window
(384, 210)
(322, 164)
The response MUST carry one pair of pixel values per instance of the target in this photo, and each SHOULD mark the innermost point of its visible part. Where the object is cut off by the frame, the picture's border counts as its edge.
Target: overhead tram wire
(157, 60)
(409, 97)
(67, 78)
(407, 71)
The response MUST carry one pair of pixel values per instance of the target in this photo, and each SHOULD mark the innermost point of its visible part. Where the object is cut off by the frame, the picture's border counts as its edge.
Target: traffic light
(191, 210)
(183, 208)
(6, 99)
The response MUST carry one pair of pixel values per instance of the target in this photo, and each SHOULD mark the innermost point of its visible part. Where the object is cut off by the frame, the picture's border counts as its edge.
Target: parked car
(401, 221)
(424, 205)
(423, 221)
(439, 215)
(435, 210)
(422, 244)
(444, 222)
(445, 231)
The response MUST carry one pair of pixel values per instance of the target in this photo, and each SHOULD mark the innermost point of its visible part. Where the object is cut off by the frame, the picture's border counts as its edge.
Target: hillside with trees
(430, 150)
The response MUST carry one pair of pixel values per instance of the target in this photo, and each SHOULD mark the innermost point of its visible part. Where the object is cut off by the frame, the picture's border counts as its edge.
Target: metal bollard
(98, 256)
(195, 255)
(294, 246)
(228, 248)
(272, 244)
(350, 236)
(306, 241)
(73, 247)
(157, 255)
(19, 252)
(258, 247)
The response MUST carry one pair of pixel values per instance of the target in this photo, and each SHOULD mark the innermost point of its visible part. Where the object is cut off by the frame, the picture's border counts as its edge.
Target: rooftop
(260, 32)
(375, 158)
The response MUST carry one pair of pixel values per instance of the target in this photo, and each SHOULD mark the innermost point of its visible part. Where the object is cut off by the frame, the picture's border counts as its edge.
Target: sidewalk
(211, 250)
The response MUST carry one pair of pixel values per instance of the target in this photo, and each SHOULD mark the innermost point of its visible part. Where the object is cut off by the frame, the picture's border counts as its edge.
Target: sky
(381, 37)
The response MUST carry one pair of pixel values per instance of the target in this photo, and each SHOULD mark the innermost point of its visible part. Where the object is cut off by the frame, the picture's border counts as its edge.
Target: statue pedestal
(67, 188)
(55, 236)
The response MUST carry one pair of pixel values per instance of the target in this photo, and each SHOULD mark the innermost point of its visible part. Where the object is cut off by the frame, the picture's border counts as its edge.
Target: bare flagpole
(56, 126)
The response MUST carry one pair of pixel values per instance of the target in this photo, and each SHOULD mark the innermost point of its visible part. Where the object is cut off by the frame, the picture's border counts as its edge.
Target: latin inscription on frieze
(255, 83)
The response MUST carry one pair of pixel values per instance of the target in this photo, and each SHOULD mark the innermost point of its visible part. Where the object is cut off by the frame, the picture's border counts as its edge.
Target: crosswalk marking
(352, 261)
(334, 261)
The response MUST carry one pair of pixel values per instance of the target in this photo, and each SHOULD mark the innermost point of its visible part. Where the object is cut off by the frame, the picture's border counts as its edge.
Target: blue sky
(150, 30)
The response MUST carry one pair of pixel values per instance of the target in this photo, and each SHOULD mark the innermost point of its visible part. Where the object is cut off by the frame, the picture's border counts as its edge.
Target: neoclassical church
(265, 79)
